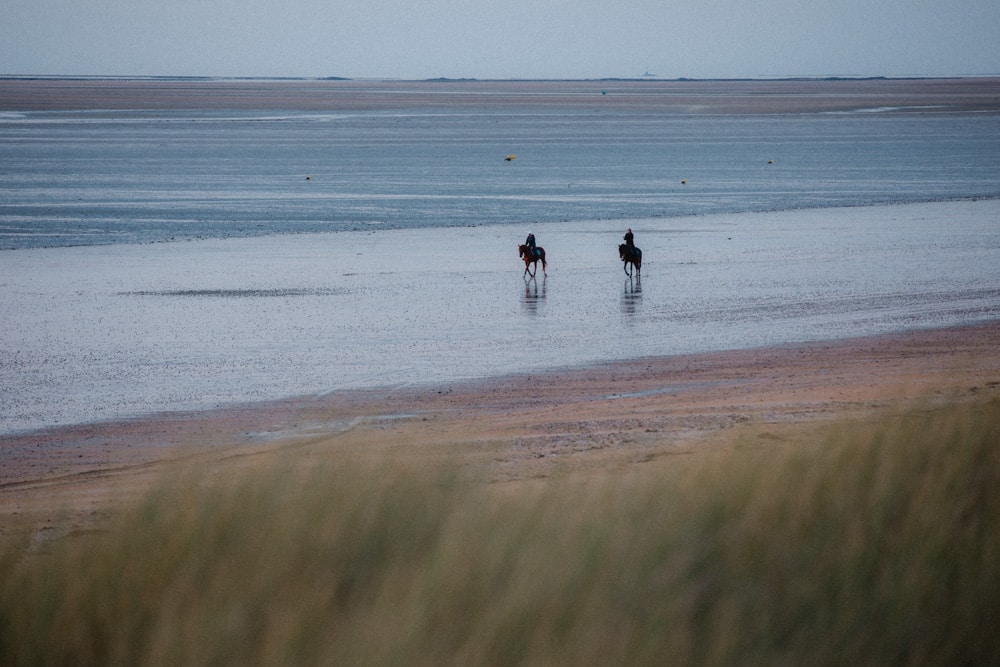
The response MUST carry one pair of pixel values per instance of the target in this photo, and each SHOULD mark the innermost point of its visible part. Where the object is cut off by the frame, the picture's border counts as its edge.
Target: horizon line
(445, 79)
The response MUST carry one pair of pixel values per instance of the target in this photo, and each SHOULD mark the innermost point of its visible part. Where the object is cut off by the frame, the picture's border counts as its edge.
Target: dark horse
(630, 255)
(530, 258)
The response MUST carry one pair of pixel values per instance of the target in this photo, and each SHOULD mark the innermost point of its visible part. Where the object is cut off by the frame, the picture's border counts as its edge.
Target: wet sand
(519, 427)
(103, 333)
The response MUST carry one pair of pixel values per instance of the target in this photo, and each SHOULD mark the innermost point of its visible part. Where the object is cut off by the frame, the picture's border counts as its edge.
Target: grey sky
(415, 39)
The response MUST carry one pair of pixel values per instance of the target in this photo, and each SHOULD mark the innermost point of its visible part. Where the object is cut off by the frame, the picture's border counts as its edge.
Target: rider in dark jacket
(530, 242)
(629, 240)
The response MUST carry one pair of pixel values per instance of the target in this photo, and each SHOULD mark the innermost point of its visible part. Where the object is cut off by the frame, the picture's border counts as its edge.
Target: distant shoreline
(646, 78)
(704, 96)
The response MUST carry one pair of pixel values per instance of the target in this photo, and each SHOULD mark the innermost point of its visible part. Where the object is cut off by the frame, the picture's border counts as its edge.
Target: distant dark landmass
(645, 78)
(333, 93)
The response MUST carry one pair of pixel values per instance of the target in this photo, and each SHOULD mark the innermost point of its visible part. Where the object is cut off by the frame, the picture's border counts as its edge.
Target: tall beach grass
(865, 544)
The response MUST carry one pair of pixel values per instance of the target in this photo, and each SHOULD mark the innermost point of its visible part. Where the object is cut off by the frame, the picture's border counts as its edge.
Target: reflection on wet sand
(532, 295)
(100, 332)
(632, 296)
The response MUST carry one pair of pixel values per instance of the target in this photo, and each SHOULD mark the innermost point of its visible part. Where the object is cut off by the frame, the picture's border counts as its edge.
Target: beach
(591, 420)
(366, 435)
(210, 272)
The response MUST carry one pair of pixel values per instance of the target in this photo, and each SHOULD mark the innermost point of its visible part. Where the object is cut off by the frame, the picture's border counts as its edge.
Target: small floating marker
(684, 181)
(510, 158)
(770, 161)
(604, 92)
(309, 178)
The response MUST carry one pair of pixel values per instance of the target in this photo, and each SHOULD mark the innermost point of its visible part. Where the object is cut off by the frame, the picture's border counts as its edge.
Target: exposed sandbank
(662, 96)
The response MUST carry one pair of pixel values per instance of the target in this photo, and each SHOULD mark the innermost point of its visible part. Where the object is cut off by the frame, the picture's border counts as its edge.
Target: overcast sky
(500, 39)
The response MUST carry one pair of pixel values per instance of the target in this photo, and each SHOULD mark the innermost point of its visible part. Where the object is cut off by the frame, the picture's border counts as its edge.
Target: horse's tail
(544, 263)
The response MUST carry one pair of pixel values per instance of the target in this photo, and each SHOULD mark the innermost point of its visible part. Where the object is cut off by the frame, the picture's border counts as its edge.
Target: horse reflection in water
(532, 297)
(632, 296)
(531, 259)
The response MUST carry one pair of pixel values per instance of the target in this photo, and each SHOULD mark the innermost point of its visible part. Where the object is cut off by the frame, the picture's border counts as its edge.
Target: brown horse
(630, 255)
(529, 258)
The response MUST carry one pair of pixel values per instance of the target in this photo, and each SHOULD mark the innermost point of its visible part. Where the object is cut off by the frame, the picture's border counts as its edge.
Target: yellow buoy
(684, 181)
(510, 158)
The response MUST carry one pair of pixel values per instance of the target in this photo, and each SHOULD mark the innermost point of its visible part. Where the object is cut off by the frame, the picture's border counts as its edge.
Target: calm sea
(102, 177)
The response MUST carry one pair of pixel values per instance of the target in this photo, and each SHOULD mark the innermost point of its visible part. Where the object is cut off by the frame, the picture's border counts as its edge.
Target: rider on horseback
(630, 248)
(629, 252)
(530, 242)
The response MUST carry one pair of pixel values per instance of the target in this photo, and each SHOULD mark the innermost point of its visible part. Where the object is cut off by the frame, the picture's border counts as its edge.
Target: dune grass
(865, 544)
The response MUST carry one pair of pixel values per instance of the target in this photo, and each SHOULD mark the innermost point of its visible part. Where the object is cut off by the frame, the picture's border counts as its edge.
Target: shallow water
(99, 177)
(101, 332)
